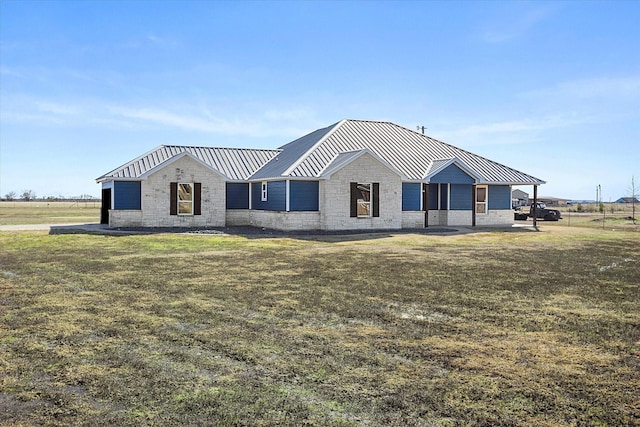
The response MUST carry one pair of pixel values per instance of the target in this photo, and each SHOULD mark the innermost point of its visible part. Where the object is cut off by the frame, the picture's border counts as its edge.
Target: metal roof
(410, 152)
(290, 154)
(234, 163)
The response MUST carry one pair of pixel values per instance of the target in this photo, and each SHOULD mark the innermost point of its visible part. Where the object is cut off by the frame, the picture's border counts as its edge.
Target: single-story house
(354, 174)
(627, 200)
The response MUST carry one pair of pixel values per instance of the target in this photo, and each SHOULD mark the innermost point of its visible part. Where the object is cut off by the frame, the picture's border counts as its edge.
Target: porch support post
(287, 195)
(535, 207)
(473, 205)
(425, 203)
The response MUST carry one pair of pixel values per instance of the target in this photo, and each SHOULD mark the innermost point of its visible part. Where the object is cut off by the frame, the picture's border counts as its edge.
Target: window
(363, 192)
(481, 199)
(264, 191)
(185, 199)
(364, 199)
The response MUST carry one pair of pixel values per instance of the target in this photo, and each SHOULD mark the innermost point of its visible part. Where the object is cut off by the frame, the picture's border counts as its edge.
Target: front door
(106, 206)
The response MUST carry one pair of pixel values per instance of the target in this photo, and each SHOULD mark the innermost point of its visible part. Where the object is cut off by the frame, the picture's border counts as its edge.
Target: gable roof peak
(439, 165)
(344, 158)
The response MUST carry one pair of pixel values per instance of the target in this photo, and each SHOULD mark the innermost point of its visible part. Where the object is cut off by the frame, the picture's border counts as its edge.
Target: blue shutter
(461, 197)
(411, 196)
(303, 196)
(237, 195)
(127, 195)
(276, 200)
(499, 197)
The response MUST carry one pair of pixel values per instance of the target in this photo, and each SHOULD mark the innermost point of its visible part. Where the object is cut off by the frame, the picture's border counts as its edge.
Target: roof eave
(486, 182)
(116, 178)
(107, 177)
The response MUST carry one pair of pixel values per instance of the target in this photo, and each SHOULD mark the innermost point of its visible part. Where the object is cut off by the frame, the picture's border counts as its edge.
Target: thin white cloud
(36, 111)
(10, 72)
(512, 27)
(256, 124)
(615, 88)
(165, 118)
(287, 114)
(235, 120)
(518, 131)
(161, 41)
(150, 40)
(31, 118)
(56, 108)
(596, 101)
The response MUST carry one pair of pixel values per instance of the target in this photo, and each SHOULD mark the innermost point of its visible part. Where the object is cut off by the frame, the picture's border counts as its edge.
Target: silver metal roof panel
(291, 153)
(410, 152)
(233, 163)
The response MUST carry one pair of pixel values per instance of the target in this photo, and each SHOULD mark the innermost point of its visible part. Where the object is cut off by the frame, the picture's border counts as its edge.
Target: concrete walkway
(95, 228)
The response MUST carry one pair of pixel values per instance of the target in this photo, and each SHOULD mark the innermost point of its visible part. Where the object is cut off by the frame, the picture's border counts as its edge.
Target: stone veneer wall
(278, 220)
(156, 194)
(125, 218)
(286, 220)
(503, 217)
(460, 218)
(434, 218)
(238, 217)
(413, 219)
(335, 196)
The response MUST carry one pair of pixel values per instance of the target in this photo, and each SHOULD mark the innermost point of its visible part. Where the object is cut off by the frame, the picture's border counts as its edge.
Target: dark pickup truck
(541, 212)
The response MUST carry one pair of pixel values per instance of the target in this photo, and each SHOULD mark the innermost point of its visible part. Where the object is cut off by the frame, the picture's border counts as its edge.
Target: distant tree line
(30, 195)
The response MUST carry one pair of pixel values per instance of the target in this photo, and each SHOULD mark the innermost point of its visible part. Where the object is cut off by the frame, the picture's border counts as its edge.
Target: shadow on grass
(250, 232)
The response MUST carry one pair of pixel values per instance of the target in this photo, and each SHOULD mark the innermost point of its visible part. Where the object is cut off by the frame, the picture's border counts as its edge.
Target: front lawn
(488, 328)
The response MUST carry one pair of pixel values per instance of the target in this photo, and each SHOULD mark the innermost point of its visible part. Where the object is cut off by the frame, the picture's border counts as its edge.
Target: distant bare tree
(634, 190)
(10, 196)
(28, 195)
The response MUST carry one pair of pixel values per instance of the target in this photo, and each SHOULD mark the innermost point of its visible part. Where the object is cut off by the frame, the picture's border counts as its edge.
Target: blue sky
(548, 88)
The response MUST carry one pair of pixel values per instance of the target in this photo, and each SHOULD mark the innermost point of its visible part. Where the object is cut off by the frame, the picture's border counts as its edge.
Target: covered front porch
(454, 194)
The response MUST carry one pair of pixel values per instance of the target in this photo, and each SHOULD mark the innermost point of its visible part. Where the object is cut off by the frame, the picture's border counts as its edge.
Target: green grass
(618, 221)
(493, 328)
(19, 213)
